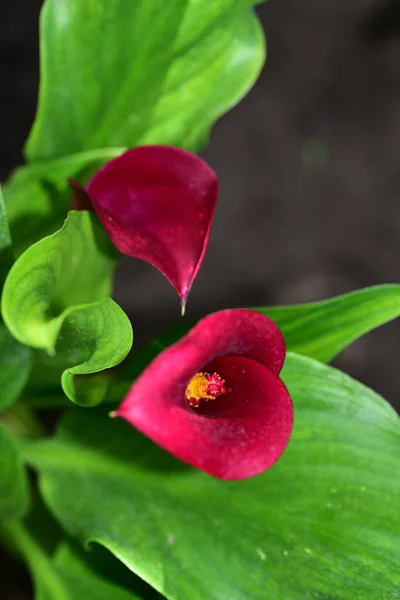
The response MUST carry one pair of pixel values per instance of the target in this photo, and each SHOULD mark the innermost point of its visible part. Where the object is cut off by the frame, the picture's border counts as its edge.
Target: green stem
(39, 563)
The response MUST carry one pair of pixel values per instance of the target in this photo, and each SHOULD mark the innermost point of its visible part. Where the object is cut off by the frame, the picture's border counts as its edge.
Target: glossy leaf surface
(322, 523)
(56, 299)
(131, 91)
(153, 72)
(323, 329)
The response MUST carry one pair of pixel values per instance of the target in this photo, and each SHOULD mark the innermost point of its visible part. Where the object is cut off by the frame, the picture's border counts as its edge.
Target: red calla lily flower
(156, 203)
(214, 399)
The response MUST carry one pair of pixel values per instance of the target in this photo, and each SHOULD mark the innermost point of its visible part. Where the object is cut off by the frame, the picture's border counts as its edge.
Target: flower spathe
(214, 399)
(156, 204)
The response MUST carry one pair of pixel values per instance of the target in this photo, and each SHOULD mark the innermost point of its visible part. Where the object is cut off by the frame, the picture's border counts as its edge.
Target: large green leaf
(13, 483)
(153, 72)
(322, 524)
(56, 299)
(66, 576)
(130, 73)
(323, 329)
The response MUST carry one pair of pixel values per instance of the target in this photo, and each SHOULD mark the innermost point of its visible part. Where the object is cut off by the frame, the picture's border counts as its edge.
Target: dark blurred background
(309, 166)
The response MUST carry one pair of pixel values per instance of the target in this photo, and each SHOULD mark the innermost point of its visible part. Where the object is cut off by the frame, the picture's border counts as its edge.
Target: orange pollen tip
(204, 386)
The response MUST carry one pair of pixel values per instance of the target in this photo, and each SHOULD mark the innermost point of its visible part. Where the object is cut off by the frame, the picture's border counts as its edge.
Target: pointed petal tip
(157, 204)
(183, 308)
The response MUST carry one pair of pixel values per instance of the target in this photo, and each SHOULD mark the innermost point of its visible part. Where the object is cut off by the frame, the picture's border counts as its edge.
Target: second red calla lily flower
(214, 399)
(156, 203)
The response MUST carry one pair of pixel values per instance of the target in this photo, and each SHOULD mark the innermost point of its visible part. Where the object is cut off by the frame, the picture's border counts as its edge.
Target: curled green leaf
(106, 332)
(56, 298)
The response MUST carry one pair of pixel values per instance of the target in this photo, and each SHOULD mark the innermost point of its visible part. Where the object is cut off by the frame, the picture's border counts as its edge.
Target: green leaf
(323, 523)
(322, 330)
(13, 482)
(41, 525)
(70, 268)
(14, 358)
(83, 581)
(106, 338)
(6, 257)
(38, 195)
(143, 72)
(15, 365)
(56, 298)
(66, 576)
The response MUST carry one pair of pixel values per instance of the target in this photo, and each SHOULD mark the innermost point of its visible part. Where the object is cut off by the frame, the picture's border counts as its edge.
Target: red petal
(239, 332)
(156, 203)
(241, 433)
